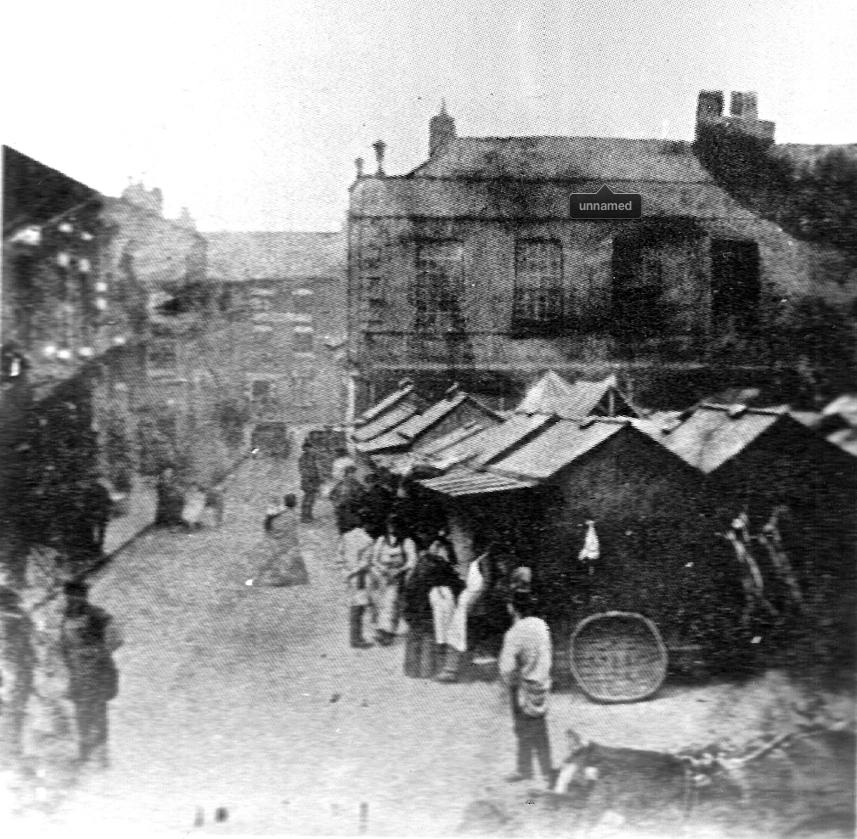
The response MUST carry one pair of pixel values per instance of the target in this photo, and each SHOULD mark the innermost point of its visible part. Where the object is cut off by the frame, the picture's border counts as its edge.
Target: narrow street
(250, 698)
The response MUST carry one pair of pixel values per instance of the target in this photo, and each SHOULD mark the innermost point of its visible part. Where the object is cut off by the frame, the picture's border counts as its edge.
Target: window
(162, 357)
(439, 288)
(260, 390)
(538, 284)
(303, 389)
(373, 286)
(303, 339)
(735, 287)
(302, 299)
(638, 308)
(260, 301)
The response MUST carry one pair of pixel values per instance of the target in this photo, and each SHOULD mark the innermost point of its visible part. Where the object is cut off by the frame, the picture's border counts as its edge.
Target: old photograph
(428, 419)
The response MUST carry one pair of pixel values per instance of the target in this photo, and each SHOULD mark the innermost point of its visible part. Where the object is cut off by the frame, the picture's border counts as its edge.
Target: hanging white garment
(456, 635)
(442, 607)
(591, 549)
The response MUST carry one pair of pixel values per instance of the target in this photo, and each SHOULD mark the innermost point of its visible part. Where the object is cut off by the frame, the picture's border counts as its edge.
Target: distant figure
(215, 503)
(420, 648)
(393, 557)
(347, 498)
(98, 505)
(280, 551)
(170, 499)
(310, 472)
(340, 464)
(590, 553)
(355, 553)
(89, 638)
(193, 508)
(525, 665)
(378, 502)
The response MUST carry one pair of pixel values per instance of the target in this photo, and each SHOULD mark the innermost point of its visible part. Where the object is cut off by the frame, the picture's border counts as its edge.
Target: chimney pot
(380, 147)
(358, 165)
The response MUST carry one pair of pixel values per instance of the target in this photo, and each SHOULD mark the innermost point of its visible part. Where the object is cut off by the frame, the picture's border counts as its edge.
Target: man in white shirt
(525, 665)
(355, 553)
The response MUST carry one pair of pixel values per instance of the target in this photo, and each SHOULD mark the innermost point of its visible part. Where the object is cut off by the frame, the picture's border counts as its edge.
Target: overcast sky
(251, 112)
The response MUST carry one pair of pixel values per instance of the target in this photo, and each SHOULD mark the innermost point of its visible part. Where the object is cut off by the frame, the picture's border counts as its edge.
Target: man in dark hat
(310, 472)
(89, 637)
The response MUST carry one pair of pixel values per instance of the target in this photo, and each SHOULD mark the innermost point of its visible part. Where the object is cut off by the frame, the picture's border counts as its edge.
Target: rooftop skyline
(251, 115)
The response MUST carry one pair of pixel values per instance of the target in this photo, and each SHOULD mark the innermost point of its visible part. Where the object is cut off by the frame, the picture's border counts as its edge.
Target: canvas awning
(465, 482)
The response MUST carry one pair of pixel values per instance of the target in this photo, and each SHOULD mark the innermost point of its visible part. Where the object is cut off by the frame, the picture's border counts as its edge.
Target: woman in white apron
(394, 556)
(456, 633)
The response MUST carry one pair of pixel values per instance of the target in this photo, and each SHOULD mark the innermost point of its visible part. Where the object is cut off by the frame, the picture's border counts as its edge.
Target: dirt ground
(249, 699)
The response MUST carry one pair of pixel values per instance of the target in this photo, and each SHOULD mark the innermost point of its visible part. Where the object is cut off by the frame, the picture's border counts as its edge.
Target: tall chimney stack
(380, 147)
(441, 130)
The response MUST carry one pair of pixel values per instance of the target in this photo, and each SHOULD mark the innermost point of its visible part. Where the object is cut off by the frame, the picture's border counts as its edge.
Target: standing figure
(355, 553)
(456, 636)
(89, 638)
(16, 674)
(378, 502)
(393, 557)
(193, 508)
(347, 498)
(525, 666)
(419, 645)
(170, 499)
(340, 463)
(310, 472)
(446, 586)
(282, 562)
(590, 553)
(215, 503)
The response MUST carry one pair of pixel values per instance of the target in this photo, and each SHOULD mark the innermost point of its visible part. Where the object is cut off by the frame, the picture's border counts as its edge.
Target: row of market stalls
(660, 490)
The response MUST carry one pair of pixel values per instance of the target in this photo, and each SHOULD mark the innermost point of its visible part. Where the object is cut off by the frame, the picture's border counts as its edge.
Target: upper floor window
(162, 357)
(538, 284)
(439, 287)
(639, 310)
(303, 393)
(735, 286)
(373, 286)
(260, 390)
(303, 339)
(302, 300)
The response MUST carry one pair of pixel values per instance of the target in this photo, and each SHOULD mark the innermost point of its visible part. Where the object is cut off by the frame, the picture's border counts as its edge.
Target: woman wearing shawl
(394, 557)
(416, 609)
(282, 563)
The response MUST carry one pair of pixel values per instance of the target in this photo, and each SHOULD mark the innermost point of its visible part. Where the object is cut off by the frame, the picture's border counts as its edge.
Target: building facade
(283, 297)
(471, 268)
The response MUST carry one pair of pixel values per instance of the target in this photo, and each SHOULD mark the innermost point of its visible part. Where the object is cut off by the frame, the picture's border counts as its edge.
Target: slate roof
(275, 255)
(557, 447)
(466, 482)
(713, 434)
(553, 395)
(586, 158)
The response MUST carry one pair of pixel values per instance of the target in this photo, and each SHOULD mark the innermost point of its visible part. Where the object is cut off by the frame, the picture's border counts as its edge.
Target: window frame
(438, 293)
(540, 305)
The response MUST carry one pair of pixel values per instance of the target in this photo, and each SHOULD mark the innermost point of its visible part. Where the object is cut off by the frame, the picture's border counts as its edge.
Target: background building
(470, 268)
(283, 296)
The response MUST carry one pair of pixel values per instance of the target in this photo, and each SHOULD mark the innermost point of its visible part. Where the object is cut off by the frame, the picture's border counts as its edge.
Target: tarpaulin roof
(466, 482)
(553, 395)
(558, 446)
(714, 434)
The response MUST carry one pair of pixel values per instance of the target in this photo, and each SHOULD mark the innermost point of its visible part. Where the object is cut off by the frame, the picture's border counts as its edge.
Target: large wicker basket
(618, 657)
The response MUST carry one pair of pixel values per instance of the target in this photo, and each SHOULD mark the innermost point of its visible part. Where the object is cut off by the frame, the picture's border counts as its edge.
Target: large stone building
(283, 295)
(470, 267)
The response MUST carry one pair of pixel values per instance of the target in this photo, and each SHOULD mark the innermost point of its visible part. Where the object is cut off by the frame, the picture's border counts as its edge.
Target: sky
(251, 113)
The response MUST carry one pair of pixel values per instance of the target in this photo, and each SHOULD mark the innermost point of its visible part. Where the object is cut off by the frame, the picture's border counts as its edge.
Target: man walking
(347, 497)
(310, 473)
(89, 639)
(525, 665)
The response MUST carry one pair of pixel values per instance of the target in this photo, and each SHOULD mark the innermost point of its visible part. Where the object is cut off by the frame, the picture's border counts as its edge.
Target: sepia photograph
(429, 419)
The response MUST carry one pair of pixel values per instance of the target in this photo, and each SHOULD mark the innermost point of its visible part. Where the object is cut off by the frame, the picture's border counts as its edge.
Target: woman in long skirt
(282, 563)
(394, 557)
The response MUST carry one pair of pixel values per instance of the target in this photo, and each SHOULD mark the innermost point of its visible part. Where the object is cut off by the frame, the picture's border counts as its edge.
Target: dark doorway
(735, 287)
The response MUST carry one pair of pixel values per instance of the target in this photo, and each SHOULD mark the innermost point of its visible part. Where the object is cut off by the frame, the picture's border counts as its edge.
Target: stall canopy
(554, 395)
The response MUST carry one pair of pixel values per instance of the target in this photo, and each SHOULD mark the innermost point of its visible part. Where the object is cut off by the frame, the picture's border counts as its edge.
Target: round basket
(618, 657)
